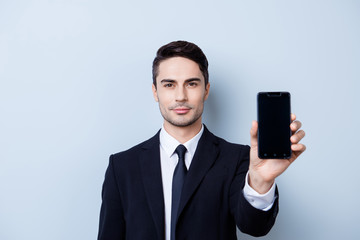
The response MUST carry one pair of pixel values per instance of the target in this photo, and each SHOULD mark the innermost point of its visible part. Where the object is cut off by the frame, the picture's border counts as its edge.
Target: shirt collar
(169, 143)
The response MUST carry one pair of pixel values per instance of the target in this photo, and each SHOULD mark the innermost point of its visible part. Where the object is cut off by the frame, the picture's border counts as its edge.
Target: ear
(154, 90)
(207, 91)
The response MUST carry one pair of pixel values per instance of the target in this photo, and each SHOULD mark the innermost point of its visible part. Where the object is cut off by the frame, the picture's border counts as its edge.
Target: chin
(184, 123)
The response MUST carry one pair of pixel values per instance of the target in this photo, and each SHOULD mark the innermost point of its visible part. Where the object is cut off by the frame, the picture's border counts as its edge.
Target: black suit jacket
(211, 205)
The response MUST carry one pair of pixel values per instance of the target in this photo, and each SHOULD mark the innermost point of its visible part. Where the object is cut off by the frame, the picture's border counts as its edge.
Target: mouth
(181, 110)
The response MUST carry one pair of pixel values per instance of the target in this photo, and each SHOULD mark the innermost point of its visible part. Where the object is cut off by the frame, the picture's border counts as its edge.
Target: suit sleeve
(112, 222)
(249, 220)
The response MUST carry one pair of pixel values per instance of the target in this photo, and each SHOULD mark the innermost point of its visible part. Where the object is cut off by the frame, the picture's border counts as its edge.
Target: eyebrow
(167, 81)
(193, 80)
(187, 80)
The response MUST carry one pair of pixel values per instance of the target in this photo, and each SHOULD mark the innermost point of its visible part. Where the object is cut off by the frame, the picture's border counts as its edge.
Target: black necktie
(178, 181)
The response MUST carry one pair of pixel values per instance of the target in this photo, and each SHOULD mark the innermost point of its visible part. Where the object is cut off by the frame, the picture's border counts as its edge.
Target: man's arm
(112, 222)
(249, 219)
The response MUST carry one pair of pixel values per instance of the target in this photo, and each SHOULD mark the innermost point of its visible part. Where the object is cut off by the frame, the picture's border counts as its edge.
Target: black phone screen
(274, 125)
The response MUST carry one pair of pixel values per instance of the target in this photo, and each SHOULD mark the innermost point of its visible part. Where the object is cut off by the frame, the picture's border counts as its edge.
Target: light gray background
(75, 87)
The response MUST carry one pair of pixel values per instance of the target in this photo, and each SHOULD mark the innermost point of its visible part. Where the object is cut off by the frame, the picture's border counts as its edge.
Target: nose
(181, 94)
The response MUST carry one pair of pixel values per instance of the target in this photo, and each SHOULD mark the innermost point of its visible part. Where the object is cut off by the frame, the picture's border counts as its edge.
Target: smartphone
(273, 112)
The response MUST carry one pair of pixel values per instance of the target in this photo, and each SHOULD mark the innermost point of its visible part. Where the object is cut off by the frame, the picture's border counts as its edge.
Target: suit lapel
(151, 173)
(204, 157)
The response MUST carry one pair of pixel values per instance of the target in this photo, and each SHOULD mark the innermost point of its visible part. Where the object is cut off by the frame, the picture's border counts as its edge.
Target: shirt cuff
(260, 201)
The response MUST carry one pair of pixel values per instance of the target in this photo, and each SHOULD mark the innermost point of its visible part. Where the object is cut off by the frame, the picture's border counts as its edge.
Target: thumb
(253, 134)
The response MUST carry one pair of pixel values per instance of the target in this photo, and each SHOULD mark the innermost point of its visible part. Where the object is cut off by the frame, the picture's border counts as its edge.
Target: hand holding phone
(264, 169)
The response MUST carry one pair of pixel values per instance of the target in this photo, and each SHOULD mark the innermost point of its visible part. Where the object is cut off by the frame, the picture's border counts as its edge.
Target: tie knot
(181, 150)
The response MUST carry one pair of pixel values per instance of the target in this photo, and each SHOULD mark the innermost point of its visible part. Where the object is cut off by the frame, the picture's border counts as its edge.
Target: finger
(299, 148)
(293, 117)
(253, 134)
(297, 137)
(294, 126)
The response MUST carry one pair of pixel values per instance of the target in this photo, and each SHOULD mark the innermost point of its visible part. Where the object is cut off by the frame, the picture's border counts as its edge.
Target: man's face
(180, 91)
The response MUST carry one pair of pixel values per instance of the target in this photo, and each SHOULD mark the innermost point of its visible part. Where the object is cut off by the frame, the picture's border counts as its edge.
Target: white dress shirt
(169, 160)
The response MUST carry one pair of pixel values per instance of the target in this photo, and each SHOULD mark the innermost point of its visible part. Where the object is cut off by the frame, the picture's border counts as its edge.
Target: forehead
(179, 68)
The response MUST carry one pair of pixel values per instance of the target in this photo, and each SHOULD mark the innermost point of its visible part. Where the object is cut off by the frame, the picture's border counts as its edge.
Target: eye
(192, 84)
(168, 85)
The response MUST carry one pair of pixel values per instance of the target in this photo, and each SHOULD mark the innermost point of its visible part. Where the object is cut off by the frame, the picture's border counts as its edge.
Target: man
(186, 183)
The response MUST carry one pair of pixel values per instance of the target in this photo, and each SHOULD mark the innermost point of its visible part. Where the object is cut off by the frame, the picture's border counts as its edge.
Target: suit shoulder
(135, 150)
(231, 146)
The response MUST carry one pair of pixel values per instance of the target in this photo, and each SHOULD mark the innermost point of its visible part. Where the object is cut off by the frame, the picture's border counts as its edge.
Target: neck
(183, 134)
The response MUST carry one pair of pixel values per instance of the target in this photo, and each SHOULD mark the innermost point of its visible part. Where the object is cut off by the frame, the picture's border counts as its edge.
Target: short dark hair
(181, 49)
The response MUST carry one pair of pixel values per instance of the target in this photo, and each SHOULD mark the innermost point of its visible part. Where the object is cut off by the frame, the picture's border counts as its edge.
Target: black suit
(211, 204)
